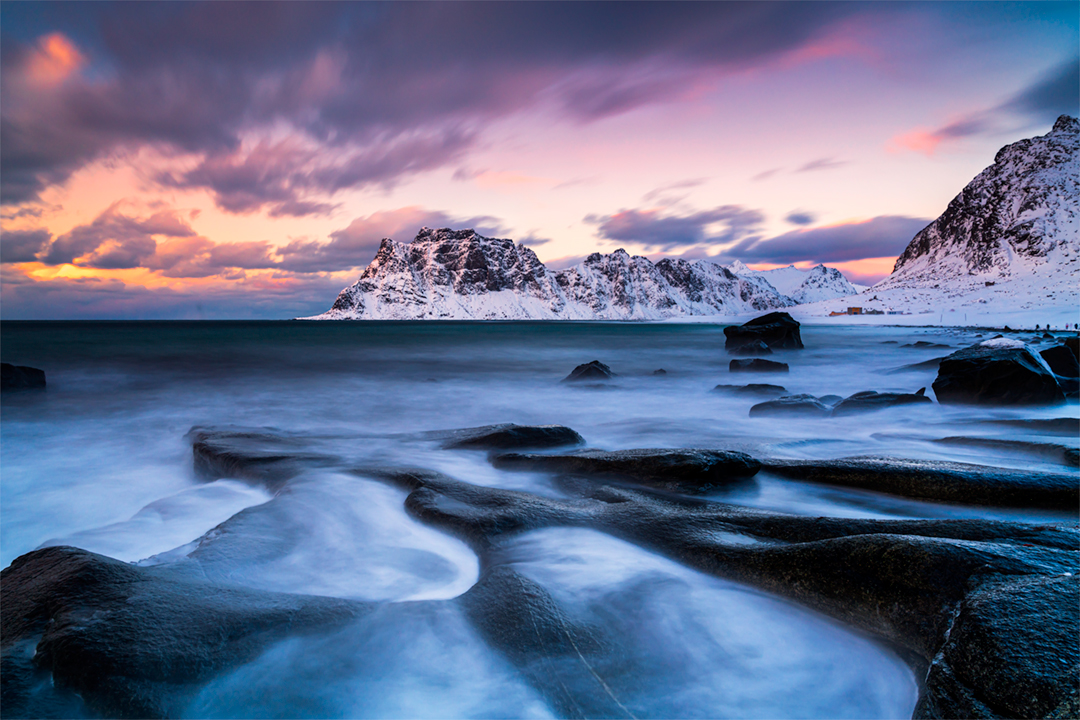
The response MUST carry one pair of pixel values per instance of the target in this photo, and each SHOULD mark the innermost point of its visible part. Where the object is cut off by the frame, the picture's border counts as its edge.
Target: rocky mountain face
(458, 274)
(1018, 218)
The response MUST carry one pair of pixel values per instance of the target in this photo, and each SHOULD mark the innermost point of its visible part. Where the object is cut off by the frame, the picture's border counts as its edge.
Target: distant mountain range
(1012, 236)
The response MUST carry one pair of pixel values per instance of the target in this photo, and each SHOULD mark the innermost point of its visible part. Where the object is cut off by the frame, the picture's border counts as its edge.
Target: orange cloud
(53, 60)
(920, 141)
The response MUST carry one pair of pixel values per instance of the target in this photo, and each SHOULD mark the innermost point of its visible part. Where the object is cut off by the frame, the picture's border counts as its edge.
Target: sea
(100, 460)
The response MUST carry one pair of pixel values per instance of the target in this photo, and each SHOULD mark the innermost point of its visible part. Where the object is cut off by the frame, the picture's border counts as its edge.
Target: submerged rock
(594, 370)
(510, 436)
(937, 480)
(20, 377)
(931, 364)
(996, 372)
(801, 405)
(260, 455)
(870, 400)
(777, 330)
(757, 365)
(753, 347)
(753, 389)
(674, 469)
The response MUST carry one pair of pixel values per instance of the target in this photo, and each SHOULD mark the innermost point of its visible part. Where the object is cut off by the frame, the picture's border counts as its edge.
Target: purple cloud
(18, 246)
(114, 240)
(800, 217)
(659, 232)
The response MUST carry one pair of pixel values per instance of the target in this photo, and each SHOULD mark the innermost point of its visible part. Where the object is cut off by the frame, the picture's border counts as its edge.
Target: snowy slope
(447, 274)
(803, 286)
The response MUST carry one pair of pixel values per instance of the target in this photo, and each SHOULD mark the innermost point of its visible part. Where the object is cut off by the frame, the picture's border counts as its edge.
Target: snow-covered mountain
(802, 286)
(1007, 245)
(1018, 218)
(448, 274)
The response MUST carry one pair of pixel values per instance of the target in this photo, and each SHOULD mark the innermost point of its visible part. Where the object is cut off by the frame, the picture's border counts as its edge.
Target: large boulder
(1000, 371)
(1073, 343)
(778, 330)
(18, 377)
(1062, 361)
(757, 365)
(594, 371)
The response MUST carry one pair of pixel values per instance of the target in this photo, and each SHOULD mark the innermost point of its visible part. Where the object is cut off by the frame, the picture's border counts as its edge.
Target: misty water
(99, 460)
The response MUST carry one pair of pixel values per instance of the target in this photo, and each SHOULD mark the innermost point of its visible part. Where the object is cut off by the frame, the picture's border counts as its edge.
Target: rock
(507, 437)
(137, 642)
(260, 455)
(996, 372)
(1062, 361)
(753, 347)
(757, 365)
(1048, 336)
(753, 389)
(661, 371)
(936, 480)
(871, 400)
(830, 400)
(1073, 343)
(931, 364)
(19, 377)
(1058, 453)
(924, 345)
(803, 405)
(1068, 427)
(594, 371)
(778, 330)
(669, 469)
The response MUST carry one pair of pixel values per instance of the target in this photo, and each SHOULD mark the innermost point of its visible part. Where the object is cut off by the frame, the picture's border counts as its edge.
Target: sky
(243, 160)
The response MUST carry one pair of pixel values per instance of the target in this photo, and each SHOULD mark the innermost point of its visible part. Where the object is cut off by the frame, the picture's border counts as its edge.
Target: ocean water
(99, 461)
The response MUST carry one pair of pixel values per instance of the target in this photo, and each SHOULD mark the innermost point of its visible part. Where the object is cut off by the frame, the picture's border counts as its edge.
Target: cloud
(114, 240)
(664, 195)
(18, 246)
(1054, 93)
(821, 164)
(376, 89)
(800, 217)
(656, 231)
(885, 235)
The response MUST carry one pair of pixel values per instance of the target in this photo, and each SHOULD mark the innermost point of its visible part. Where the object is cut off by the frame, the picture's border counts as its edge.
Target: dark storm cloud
(22, 245)
(1056, 93)
(656, 231)
(361, 80)
(882, 236)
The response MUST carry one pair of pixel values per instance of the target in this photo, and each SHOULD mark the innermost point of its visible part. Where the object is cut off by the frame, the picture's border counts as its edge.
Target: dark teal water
(99, 460)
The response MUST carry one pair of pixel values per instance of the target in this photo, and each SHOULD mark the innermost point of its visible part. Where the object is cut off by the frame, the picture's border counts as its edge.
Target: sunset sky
(243, 160)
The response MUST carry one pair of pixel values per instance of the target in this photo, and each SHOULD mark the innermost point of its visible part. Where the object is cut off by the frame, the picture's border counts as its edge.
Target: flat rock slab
(936, 480)
(513, 437)
(1059, 453)
(259, 455)
(671, 469)
(753, 389)
(792, 405)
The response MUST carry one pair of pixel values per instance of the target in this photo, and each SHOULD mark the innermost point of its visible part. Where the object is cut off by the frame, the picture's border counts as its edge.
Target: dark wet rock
(20, 377)
(1073, 343)
(800, 405)
(753, 347)
(937, 480)
(996, 375)
(670, 469)
(757, 365)
(890, 342)
(513, 437)
(972, 600)
(1058, 453)
(830, 400)
(594, 371)
(661, 371)
(753, 389)
(260, 455)
(778, 330)
(1068, 427)
(137, 642)
(924, 345)
(870, 400)
(1062, 361)
(931, 364)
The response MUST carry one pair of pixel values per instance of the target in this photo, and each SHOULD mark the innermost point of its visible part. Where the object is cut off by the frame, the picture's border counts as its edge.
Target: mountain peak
(1067, 124)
